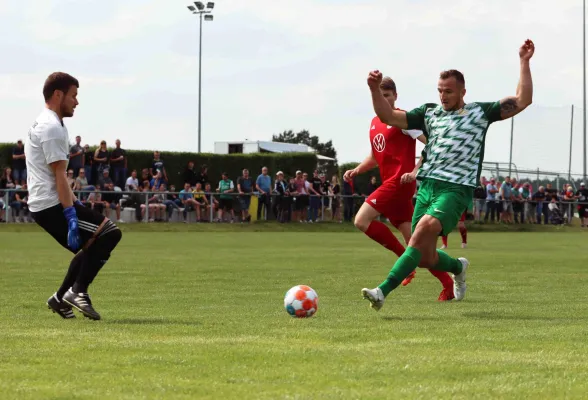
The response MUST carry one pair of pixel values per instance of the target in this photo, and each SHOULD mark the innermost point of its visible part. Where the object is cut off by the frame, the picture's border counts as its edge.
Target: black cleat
(82, 303)
(60, 307)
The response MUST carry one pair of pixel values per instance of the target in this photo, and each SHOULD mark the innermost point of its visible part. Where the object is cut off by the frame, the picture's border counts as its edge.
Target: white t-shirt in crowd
(130, 183)
(46, 143)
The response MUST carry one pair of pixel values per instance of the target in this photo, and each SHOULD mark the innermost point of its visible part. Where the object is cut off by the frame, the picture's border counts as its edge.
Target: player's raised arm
(511, 106)
(381, 106)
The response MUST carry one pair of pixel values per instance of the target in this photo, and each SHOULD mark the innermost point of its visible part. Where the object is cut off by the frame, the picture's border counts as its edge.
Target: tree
(303, 137)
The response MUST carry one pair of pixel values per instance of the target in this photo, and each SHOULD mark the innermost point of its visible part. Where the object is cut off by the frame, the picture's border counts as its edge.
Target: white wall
(221, 147)
(249, 148)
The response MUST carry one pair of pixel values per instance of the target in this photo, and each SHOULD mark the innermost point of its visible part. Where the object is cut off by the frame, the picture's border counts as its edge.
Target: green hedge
(175, 162)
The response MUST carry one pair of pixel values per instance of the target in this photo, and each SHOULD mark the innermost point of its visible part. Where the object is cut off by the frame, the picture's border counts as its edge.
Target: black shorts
(54, 223)
(301, 202)
(226, 204)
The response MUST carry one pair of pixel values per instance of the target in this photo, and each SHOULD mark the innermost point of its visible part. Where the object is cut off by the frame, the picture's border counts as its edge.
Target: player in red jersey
(462, 230)
(393, 150)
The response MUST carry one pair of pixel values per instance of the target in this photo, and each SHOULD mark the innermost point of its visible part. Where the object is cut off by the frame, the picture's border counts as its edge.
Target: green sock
(407, 263)
(448, 264)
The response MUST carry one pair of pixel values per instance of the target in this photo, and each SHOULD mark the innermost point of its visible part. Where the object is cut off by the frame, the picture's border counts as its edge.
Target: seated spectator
(6, 181)
(212, 198)
(156, 206)
(132, 183)
(111, 201)
(82, 184)
(157, 181)
(145, 175)
(202, 204)
(71, 180)
(225, 188)
(187, 199)
(104, 180)
(555, 214)
(19, 203)
(171, 202)
(95, 201)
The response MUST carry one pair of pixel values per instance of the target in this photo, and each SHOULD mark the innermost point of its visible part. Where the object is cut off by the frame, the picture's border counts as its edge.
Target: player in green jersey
(451, 166)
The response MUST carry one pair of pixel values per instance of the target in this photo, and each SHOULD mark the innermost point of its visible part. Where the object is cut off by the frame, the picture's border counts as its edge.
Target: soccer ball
(301, 301)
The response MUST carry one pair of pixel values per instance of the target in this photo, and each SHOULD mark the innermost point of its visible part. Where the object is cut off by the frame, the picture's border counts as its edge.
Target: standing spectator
(349, 201)
(372, 186)
(291, 193)
(518, 205)
(132, 183)
(315, 192)
(19, 165)
(280, 189)
(529, 205)
(101, 157)
(507, 197)
(190, 174)
(245, 189)
(76, 157)
(118, 165)
(568, 204)
(480, 197)
(301, 201)
(203, 176)
(550, 193)
(88, 164)
(158, 165)
(187, 199)
(540, 197)
(263, 185)
(326, 188)
(582, 195)
(491, 191)
(336, 202)
(225, 188)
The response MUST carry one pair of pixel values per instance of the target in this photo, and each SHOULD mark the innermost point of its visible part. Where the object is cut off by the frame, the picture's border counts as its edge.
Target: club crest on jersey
(379, 142)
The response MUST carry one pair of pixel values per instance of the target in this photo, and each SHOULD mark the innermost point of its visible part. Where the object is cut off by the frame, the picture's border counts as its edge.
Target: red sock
(380, 233)
(464, 234)
(443, 277)
(444, 239)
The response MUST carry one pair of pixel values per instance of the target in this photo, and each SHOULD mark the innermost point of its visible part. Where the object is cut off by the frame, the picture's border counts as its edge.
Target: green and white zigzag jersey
(455, 140)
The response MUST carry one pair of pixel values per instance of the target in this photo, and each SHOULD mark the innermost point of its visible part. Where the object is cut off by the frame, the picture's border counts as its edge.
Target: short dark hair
(453, 73)
(388, 84)
(58, 81)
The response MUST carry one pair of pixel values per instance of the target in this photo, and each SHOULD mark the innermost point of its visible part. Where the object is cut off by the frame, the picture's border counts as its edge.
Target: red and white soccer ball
(301, 301)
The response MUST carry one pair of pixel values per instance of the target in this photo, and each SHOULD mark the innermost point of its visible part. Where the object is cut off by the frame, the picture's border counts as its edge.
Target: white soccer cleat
(443, 247)
(459, 281)
(374, 296)
(464, 245)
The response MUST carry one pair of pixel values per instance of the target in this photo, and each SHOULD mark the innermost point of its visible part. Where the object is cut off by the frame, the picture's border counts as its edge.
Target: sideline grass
(199, 315)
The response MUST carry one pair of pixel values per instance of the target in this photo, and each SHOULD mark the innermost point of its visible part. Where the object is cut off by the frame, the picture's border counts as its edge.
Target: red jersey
(393, 148)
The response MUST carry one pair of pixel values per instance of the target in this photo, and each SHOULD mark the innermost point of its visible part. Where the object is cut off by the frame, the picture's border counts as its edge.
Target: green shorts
(442, 200)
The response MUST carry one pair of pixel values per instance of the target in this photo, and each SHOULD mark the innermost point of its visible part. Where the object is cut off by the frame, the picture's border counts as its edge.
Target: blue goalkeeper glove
(73, 232)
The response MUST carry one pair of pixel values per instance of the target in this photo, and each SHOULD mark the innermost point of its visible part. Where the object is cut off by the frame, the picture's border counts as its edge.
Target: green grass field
(200, 315)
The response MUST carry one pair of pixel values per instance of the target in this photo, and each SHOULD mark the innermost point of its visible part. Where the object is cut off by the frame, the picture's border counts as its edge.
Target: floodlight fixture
(191, 8)
(208, 17)
(199, 5)
(210, 5)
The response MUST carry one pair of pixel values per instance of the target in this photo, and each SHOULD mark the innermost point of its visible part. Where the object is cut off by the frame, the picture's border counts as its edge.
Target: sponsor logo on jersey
(379, 142)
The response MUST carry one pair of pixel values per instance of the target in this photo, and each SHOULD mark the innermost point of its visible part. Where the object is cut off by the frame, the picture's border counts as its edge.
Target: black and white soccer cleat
(82, 303)
(60, 307)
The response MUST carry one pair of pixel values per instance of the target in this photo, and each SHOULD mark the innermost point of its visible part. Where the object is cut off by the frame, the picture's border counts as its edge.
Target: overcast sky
(272, 65)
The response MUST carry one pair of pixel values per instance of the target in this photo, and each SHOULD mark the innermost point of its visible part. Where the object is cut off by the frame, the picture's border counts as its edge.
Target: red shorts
(463, 216)
(394, 201)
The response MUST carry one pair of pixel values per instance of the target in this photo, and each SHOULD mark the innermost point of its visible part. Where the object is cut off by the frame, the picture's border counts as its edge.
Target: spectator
(158, 165)
(19, 164)
(540, 198)
(118, 165)
(202, 177)
(336, 202)
(187, 199)
(280, 188)
(506, 193)
(568, 204)
(316, 193)
(88, 162)
(480, 197)
(172, 202)
(529, 205)
(19, 203)
(157, 180)
(349, 201)
(372, 186)
(95, 201)
(582, 195)
(518, 205)
(71, 180)
(6, 181)
(201, 202)
(301, 201)
(105, 180)
(111, 200)
(550, 193)
(145, 175)
(245, 189)
(291, 193)
(132, 183)
(2, 207)
(213, 200)
(101, 159)
(82, 184)
(263, 185)
(326, 189)
(146, 205)
(156, 208)
(225, 188)
(76, 157)
(190, 174)
(491, 191)
(555, 215)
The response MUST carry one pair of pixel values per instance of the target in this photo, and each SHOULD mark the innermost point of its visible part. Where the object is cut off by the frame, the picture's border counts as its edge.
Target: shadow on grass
(486, 315)
(411, 318)
(152, 321)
